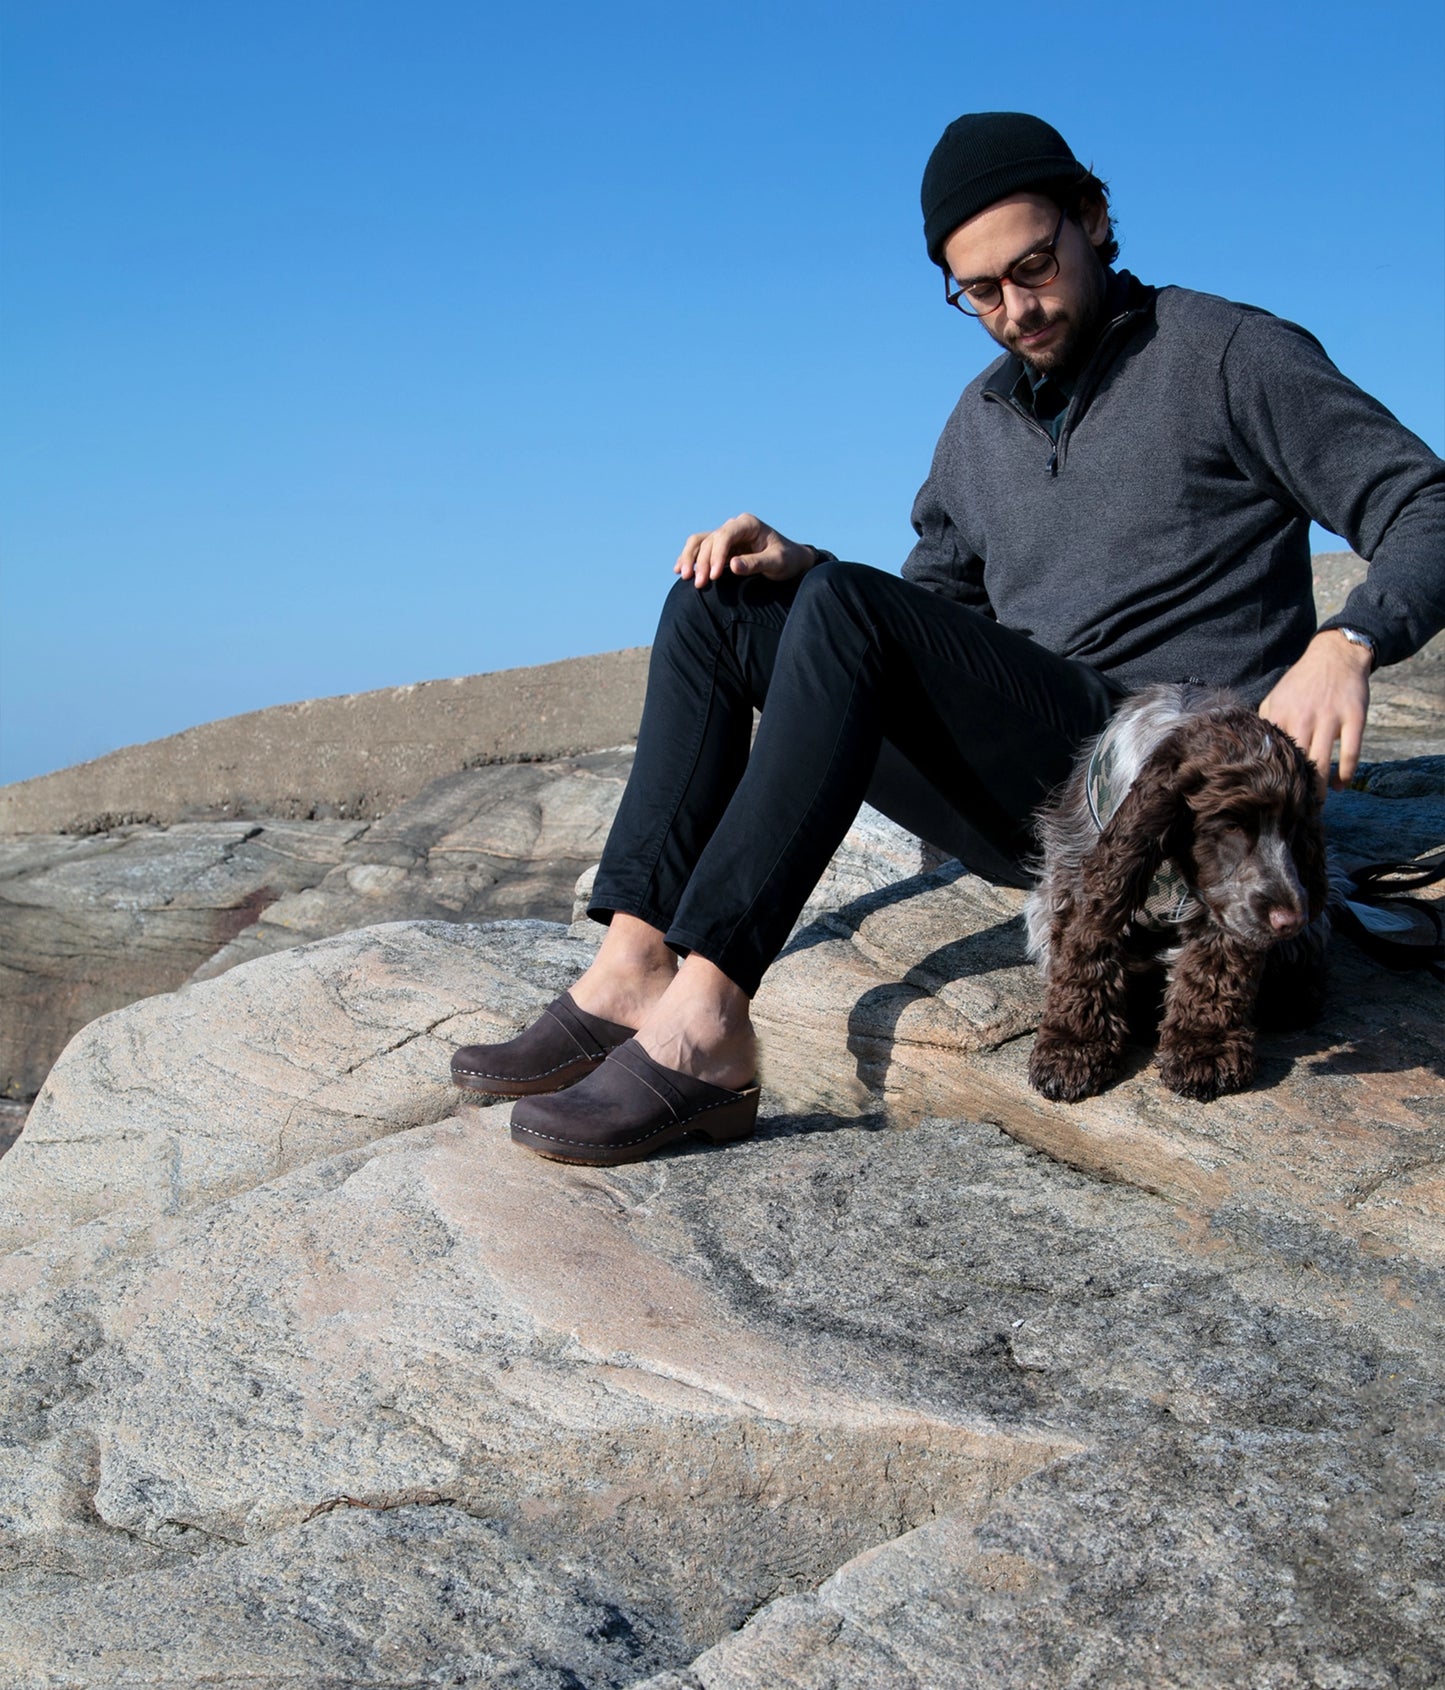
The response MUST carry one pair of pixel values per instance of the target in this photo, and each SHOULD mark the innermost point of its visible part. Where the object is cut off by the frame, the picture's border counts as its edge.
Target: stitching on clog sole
(628, 1143)
(521, 1079)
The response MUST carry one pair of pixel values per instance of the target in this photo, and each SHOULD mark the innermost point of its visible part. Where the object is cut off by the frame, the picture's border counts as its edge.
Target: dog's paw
(1066, 1072)
(1203, 1071)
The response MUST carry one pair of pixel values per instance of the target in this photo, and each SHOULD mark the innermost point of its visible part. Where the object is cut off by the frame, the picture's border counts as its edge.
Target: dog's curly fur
(1232, 803)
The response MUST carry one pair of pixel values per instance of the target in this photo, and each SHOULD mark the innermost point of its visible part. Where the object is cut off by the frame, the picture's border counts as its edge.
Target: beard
(1074, 331)
(1064, 351)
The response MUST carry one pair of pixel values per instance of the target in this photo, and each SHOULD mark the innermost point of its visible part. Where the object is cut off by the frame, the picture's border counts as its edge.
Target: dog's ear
(1313, 869)
(1151, 824)
(1299, 787)
(1308, 843)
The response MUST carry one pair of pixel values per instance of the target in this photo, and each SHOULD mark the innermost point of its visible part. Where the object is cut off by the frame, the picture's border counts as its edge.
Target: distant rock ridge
(353, 757)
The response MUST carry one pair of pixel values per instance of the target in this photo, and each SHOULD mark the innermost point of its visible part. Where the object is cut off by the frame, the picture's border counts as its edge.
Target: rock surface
(388, 1014)
(186, 1098)
(487, 844)
(308, 1379)
(311, 1377)
(88, 924)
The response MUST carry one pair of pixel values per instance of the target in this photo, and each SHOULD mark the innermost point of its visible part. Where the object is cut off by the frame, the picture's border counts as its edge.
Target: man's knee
(684, 611)
(841, 580)
(832, 589)
(716, 610)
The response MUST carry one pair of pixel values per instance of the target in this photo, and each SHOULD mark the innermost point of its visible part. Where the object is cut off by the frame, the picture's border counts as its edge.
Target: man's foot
(701, 1027)
(629, 974)
(563, 1045)
(692, 1019)
(630, 1107)
(691, 1068)
(617, 994)
(573, 1035)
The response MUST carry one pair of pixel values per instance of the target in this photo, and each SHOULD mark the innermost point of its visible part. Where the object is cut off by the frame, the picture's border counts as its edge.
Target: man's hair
(1072, 197)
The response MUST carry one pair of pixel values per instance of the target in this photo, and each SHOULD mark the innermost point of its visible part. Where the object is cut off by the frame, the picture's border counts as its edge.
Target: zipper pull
(1053, 465)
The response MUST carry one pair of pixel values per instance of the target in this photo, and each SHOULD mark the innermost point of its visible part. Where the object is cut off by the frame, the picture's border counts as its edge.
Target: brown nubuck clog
(628, 1108)
(563, 1045)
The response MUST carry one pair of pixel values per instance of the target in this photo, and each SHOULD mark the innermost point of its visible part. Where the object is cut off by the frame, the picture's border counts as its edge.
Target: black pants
(870, 687)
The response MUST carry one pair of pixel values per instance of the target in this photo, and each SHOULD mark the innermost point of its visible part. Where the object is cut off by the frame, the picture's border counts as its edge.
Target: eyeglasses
(982, 297)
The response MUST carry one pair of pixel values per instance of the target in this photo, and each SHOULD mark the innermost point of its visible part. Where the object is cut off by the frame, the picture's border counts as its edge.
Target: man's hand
(1323, 699)
(743, 546)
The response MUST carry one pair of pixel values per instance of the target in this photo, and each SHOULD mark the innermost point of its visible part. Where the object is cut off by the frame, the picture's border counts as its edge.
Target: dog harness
(1171, 899)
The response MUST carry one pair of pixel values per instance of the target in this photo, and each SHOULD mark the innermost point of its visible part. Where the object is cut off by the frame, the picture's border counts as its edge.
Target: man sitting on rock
(1122, 498)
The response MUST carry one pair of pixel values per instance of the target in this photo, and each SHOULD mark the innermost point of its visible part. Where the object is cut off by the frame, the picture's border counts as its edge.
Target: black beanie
(985, 156)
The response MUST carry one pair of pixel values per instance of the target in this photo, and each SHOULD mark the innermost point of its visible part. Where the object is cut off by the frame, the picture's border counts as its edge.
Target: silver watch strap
(1355, 637)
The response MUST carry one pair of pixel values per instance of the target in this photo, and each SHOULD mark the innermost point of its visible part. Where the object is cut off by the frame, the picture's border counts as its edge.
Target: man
(1122, 498)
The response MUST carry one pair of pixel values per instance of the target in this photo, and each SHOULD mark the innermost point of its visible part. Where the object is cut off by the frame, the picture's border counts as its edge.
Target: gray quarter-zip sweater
(1166, 536)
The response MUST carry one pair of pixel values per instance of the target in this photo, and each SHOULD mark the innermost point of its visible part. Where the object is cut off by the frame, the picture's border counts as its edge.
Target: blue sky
(348, 343)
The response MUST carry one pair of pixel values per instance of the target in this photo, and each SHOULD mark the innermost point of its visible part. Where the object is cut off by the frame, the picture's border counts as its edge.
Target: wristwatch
(1355, 637)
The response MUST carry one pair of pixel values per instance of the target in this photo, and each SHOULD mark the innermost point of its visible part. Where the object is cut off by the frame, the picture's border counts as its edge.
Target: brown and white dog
(1188, 838)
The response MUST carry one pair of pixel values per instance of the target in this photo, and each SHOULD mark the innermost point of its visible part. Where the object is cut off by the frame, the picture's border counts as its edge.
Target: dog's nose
(1285, 922)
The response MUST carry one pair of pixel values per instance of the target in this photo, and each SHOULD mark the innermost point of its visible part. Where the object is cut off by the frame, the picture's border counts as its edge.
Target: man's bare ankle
(728, 1059)
(622, 997)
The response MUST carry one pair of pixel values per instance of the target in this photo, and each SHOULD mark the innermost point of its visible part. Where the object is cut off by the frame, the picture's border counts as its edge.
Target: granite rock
(307, 1379)
(184, 1098)
(354, 1596)
(130, 1117)
(310, 1376)
(1040, 1424)
(495, 843)
(90, 923)
(442, 1320)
